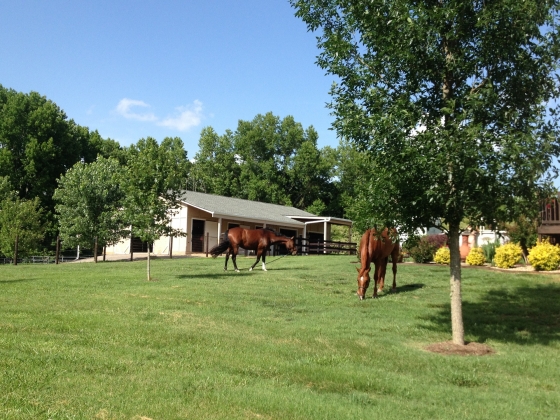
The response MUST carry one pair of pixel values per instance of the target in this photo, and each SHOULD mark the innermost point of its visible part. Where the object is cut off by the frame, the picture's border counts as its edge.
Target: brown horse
(377, 250)
(255, 239)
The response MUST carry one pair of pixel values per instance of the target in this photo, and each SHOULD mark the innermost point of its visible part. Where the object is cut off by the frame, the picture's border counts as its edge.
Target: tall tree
(451, 98)
(20, 220)
(89, 204)
(38, 143)
(215, 169)
(154, 178)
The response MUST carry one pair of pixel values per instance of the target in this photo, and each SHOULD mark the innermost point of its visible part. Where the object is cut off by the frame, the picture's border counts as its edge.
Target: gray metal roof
(237, 208)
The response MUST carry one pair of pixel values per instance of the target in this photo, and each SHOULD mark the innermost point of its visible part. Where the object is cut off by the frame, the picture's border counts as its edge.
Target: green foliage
(442, 256)
(524, 229)
(544, 256)
(476, 256)
(267, 159)
(489, 250)
(90, 200)
(507, 255)
(38, 143)
(423, 250)
(153, 180)
(21, 219)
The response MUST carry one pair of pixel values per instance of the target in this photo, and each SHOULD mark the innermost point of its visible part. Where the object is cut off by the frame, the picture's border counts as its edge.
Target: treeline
(61, 179)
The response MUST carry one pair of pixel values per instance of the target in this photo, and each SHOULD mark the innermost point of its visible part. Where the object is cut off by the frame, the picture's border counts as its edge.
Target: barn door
(197, 235)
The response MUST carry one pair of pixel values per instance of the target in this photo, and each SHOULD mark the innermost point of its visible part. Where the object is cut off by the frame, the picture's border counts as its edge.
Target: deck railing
(550, 212)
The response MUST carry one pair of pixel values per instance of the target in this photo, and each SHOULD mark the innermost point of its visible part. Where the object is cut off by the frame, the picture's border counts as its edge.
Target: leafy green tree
(38, 144)
(21, 219)
(5, 188)
(89, 204)
(154, 178)
(267, 159)
(451, 99)
(215, 169)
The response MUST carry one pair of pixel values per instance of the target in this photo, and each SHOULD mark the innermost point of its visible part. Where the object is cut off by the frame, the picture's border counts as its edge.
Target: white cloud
(187, 117)
(124, 108)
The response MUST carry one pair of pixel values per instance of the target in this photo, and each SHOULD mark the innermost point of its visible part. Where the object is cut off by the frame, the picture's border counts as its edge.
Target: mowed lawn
(98, 341)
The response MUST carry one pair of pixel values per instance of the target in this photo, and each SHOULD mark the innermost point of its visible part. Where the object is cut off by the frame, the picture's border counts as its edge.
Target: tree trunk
(457, 326)
(149, 277)
(16, 250)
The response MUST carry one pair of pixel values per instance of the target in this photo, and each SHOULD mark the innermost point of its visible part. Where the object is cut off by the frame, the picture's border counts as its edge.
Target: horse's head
(363, 281)
(291, 246)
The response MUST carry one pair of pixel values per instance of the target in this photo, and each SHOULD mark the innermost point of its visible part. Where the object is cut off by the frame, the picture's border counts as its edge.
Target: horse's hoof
(251, 269)
(237, 271)
(264, 269)
(361, 297)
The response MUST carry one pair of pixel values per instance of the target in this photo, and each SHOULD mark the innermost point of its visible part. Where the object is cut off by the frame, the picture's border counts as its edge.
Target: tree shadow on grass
(528, 315)
(17, 281)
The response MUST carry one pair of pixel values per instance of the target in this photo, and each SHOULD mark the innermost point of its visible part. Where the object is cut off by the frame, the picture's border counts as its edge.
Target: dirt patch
(469, 349)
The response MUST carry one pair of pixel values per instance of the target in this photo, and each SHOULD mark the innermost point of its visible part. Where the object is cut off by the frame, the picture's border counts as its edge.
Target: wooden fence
(306, 247)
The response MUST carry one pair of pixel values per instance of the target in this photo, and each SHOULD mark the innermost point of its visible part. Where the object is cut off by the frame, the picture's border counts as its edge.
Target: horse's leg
(234, 251)
(377, 266)
(259, 252)
(382, 271)
(227, 258)
(395, 257)
(264, 259)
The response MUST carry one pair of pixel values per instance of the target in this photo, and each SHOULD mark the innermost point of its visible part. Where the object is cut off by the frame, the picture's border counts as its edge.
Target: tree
(453, 100)
(38, 144)
(215, 169)
(89, 204)
(20, 220)
(154, 177)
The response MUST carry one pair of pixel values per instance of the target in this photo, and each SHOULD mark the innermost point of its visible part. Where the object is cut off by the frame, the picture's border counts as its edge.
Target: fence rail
(305, 246)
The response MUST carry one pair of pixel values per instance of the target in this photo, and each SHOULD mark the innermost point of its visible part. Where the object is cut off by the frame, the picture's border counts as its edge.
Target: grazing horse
(376, 250)
(256, 239)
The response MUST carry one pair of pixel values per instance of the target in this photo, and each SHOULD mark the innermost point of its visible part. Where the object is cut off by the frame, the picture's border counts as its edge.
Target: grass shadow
(526, 315)
(16, 281)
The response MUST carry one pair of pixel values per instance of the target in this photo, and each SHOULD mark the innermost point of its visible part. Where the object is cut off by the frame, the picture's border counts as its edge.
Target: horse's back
(381, 247)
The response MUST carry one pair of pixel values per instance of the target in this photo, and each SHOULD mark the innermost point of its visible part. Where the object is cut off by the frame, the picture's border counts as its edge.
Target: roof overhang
(320, 219)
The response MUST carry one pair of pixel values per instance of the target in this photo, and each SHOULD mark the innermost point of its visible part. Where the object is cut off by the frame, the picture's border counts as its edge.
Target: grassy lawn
(97, 341)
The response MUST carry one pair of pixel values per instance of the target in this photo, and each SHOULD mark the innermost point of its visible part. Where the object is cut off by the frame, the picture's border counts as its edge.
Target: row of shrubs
(543, 256)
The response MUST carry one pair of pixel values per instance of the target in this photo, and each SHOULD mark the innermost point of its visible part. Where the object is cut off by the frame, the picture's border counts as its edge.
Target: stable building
(204, 218)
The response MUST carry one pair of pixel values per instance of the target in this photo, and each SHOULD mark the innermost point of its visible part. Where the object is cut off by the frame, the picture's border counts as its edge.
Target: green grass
(97, 341)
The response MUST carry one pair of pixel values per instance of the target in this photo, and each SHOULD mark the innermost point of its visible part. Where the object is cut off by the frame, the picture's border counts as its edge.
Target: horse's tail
(218, 249)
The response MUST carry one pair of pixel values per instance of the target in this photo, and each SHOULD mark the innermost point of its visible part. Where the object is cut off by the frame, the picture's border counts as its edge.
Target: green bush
(544, 256)
(423, 251)
(442, 256)
(507, 255)
(489, 250)
(476, 257)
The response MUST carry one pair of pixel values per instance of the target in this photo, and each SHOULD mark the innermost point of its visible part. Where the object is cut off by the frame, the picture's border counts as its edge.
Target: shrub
(507, 255)
(489, 250)
(544, 256)
(476, 257)
(438, 240)
(423, 251)
(442, 256)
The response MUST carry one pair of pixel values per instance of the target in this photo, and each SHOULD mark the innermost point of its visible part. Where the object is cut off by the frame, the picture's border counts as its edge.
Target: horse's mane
(273, 231)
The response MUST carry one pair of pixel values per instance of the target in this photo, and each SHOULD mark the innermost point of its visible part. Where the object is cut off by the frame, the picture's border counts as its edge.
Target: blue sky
(132, 69)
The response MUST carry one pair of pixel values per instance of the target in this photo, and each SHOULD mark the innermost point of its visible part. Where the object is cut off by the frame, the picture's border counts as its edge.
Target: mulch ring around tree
(469, 349)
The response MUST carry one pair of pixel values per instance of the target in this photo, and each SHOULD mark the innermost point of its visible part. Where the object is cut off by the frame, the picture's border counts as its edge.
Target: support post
(170, 247)
(16, 250)
(57, 255)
